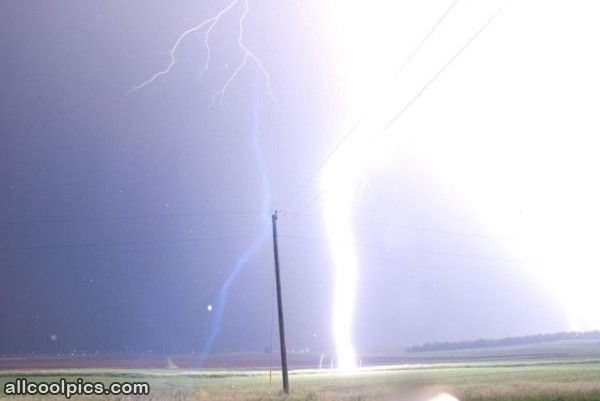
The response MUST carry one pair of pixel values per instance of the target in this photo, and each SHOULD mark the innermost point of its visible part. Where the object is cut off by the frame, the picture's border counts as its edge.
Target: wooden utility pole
(284, 367)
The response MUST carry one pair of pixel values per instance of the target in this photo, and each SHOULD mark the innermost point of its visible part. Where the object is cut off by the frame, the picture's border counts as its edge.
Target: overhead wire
(420, 251)
(128, 243)
(470, 234)
(400, 112)
(138, 217)
(347, 135)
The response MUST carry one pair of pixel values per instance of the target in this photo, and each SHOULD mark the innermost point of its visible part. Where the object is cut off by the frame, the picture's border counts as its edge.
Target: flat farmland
(559, 371)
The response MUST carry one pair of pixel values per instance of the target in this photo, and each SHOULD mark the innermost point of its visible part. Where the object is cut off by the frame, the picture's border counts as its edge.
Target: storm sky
(123, 213)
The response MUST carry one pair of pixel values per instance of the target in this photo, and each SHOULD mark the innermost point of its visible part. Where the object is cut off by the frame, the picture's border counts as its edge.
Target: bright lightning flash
(376, 92)
(340, 179)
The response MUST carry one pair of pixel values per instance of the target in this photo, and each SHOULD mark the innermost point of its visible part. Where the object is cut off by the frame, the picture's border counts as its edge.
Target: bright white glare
(367, 47)
(510, 131)
(356, 28)
(515, 138)
(359, 30)
(444, 397)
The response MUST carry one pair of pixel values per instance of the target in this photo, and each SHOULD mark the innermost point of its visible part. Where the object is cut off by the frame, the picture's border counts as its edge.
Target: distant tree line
(502, 342)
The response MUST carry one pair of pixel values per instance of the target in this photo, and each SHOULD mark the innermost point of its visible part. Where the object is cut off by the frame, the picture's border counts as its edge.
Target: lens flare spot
(444, 397)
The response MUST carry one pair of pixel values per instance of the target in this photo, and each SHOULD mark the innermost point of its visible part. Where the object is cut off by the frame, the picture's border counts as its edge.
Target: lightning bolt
(208, 26)
(250, 251)
(248, 55)
(255, 246)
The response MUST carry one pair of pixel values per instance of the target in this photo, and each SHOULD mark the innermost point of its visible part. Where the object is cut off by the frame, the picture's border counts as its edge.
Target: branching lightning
(342, 177)
(247, 55)
(208, 26)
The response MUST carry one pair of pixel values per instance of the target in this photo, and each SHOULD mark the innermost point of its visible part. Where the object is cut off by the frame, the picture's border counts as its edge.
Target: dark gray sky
(107, 197)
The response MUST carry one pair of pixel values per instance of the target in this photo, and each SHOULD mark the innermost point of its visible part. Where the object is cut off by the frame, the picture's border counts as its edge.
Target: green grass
(558, 372)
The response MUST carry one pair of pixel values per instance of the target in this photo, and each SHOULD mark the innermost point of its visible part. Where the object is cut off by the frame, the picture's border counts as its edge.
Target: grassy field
(555, 372)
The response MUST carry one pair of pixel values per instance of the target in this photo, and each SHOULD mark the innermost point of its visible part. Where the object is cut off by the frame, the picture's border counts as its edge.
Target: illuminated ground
(557, 371)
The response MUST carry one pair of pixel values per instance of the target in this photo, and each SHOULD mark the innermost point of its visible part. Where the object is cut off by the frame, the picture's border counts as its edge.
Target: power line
(342, 141)
(426, 229)
(435, 77)
(404, 109)
(426, 37)
(128, 243)
(420, 251)
(139, 217)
